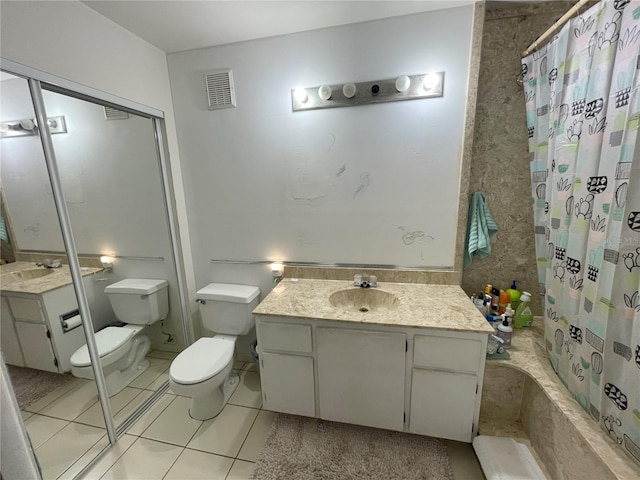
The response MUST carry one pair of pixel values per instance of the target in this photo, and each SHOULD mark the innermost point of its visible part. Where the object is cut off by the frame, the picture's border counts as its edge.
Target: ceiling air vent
(220, 91)
(114, 114)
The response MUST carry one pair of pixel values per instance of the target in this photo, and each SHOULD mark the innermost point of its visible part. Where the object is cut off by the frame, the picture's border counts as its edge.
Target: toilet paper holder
(70, 320)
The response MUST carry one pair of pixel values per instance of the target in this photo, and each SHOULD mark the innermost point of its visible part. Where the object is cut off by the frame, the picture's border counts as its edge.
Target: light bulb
(430, 81)
(402, 83)
(324, 92)
(349, 90)
(301, 95)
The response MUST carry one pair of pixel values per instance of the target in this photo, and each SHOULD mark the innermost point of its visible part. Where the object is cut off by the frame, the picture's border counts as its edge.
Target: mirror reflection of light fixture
(324, 92)
(430, 81)
(29, 126)
(301, 95)
(107, 263)
(276, 272)
(349, 90)
(402, 83)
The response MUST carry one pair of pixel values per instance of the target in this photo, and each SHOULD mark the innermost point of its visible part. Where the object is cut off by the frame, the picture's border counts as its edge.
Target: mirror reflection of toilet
(138, 302)
(203, 371)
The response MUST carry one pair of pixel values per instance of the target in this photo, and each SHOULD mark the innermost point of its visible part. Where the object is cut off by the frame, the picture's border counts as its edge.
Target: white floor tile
(42, 428)
(157, 367)
(257, 436)
(128, 409)
(73, 403)
(162, 354)
(251, 367)
(224, 434)
(150, 415)
(105, 462)
(159, 381)
(25, 415)
(65, 447)
(174, 425)
(194, 465)
(238, 365)
(241, 470)
(94, 416)
(57, 393)
(145, 459)
(248, 393)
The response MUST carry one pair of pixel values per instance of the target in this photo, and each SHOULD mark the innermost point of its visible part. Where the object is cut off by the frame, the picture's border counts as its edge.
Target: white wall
(264, 183)
(72, 41)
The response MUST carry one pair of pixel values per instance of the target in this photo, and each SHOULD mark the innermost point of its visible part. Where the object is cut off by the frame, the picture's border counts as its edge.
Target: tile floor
(165, 443)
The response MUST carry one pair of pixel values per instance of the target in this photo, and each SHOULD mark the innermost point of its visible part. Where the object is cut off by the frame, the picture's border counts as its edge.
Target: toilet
(138, 302)
(203, 371)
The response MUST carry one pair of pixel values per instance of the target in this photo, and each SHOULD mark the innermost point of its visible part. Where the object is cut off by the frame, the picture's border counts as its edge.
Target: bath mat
(303, 448)
(31, 385)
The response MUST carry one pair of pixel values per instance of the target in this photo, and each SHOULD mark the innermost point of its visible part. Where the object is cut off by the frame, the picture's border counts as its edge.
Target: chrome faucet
(365, 280)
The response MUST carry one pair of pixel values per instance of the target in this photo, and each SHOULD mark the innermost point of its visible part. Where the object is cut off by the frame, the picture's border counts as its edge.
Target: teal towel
(480, 227)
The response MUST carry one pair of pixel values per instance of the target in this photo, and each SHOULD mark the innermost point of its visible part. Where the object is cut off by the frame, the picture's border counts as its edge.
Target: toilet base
(208, 406)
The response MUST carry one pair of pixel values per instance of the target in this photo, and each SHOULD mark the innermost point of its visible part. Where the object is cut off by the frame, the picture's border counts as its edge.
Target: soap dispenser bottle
(523, 317)
(514, 294)
(505, 332)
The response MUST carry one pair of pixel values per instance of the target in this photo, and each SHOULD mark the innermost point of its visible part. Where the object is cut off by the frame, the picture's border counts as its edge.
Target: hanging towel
(480, 227)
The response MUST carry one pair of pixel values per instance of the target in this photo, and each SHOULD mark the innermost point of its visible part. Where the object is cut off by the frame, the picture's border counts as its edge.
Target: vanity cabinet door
(10, 347)
(361, 377)
(288, 383)
(36, 346)
(443, 404)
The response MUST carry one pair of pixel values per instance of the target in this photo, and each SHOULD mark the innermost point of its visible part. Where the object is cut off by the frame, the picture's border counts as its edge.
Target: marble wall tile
(500, 159)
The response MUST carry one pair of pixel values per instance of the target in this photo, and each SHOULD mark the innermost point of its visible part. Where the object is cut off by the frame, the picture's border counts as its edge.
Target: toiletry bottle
(503, 300)
(514, 293)
(523, 316)
(505, 331)
(509, 313)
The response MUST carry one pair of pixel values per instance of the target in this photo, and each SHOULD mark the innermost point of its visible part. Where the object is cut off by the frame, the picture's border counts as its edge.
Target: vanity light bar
(404, 87)
(371, 266)
(29, 127)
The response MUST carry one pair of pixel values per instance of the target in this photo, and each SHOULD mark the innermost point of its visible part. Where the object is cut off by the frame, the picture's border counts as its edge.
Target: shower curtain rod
(551, 30)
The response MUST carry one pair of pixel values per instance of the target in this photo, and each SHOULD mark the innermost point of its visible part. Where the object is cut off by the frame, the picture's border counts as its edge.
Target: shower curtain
(582, 96)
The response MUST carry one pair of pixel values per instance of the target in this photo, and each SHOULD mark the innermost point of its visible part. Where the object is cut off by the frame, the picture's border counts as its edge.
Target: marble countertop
(15, 277)
(442, 307)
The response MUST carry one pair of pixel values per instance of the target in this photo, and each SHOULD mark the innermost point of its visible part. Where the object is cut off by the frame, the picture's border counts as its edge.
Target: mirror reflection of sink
(30, 274)
(363, 299)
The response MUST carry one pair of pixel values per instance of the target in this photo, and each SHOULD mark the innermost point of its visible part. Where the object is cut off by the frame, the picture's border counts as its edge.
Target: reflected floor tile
(105, 462)
(25, 415)
(157, 366)
(174, 425)
(248, 393)
(159, 381)
(94, 416)
(257, 436)
(150, 415)
(238, 365)
(251, 367)
(42, 428)
(128, 409)
(65, 448)
(145, 459)
(194, 465)
(57, 393)
(73, 403)
(224, 434)
(241, 470)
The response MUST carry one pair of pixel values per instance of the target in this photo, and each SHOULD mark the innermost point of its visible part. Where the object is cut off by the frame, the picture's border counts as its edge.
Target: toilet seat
(202, 360)
(108, 340)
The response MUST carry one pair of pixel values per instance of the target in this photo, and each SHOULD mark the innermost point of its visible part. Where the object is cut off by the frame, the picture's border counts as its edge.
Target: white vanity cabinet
(445, 383)
(361, 376)
(418, 380)
(41, 339)
(286, 367)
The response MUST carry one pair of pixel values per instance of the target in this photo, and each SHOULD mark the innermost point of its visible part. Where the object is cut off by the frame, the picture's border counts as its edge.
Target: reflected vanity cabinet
(417, 380)
(32, 331)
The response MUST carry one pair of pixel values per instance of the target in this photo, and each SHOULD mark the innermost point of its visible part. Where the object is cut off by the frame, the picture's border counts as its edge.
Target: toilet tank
(226, 308)
(139, 301)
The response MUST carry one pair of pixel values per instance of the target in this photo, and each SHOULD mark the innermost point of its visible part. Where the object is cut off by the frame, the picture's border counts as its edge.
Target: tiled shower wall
(500, 158)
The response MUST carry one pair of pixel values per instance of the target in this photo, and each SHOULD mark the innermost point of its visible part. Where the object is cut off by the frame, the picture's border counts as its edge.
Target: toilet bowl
(122, 353)
(137, 302)
(203, 371)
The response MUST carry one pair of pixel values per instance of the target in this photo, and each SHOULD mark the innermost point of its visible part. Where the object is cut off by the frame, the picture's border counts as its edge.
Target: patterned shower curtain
(583, 114)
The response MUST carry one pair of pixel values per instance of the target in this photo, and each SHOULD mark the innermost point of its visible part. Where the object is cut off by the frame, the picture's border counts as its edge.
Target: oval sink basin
(30, 274)
(363, 299)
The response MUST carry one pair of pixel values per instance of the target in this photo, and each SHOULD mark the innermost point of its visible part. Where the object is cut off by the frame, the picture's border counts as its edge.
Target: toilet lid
(202, 360)
(108, 340)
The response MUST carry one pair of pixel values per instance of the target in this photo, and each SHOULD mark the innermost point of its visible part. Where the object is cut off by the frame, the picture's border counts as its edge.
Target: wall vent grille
(114, 114)
(220, 90)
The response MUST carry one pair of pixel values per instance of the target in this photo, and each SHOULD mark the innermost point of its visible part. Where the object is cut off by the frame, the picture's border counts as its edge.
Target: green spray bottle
(523, 317)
